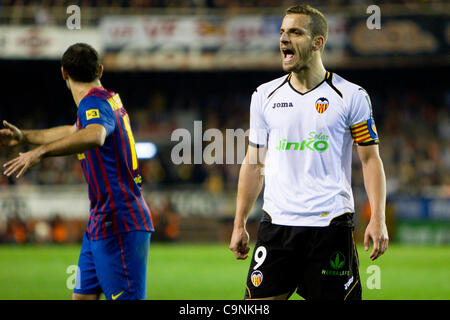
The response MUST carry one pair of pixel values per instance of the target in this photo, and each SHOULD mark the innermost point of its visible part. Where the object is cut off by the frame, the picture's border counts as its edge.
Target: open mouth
(288, 55)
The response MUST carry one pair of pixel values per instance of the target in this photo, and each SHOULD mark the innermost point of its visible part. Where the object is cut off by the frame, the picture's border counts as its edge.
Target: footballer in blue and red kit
(114, 253)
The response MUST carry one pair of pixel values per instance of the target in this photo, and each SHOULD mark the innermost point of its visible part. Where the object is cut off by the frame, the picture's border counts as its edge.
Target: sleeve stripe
(364, 132)
(363, 139)
(369, 143)
(256, 145)
(360, 134)
(359, 125)
(359, 130)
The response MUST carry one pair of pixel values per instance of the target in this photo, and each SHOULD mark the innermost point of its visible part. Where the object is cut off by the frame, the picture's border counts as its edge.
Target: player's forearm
(375, 184)
(78, 142)
(249, 186)
(45, 136)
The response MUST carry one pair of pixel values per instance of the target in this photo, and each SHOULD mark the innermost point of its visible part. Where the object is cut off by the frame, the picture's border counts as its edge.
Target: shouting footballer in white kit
(302, 129)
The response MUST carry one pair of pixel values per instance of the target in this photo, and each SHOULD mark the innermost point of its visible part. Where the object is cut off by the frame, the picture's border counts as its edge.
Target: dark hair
(81, 62)
(318, 24)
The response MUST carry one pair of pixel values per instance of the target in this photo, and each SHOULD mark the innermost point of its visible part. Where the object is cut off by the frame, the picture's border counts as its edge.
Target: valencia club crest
(322, 105)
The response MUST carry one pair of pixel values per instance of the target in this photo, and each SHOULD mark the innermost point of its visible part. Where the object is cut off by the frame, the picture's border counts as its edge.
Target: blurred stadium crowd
(201, 3)
(53, 12)
(412, 119)
(414, 129)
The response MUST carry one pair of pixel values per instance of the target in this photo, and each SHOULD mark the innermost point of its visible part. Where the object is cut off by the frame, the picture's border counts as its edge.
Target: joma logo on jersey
(315, 142)
(322, 105)
(283, 105)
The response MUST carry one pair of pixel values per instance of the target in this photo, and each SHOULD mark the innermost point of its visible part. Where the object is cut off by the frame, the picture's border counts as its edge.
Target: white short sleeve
(360, 108)
(360, 121)
(258, 126)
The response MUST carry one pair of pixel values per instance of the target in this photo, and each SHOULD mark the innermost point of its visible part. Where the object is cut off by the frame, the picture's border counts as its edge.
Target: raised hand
(11, 135)
(23, 162)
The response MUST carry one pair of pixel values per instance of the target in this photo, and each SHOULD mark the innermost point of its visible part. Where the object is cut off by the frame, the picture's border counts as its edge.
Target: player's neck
(309, 77)
(81, 89)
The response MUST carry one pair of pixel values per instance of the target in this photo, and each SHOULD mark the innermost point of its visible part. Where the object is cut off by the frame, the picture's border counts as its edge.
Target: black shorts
(317, 262)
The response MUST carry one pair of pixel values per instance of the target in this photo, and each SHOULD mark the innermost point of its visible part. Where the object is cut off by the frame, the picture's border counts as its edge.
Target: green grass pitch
(209, 271)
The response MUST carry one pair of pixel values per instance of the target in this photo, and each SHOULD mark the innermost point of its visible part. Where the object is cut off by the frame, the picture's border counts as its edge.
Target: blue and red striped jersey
(112, 171)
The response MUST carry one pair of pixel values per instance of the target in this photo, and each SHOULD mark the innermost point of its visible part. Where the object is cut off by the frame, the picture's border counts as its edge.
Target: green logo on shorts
(337, 262)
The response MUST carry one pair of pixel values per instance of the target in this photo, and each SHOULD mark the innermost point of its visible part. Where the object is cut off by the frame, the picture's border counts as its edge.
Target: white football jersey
(309, 140)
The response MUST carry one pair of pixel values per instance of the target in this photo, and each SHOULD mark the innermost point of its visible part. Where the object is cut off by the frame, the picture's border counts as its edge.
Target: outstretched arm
(11, 135)
(45, 136)
(375, 184)
(250, 182)
(92, 136)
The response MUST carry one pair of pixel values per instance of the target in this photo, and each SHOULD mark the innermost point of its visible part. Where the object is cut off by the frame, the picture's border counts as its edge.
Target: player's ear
(100, 71)
(318, 43)
(64, 73)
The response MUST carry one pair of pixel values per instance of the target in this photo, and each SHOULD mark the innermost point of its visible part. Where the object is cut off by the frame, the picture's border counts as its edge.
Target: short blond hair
(318, 24)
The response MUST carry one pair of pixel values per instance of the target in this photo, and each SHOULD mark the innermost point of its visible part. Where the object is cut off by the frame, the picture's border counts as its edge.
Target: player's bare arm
(92, 136)
(11, 135)
(375, 184)
(250, 183)
(45, 136)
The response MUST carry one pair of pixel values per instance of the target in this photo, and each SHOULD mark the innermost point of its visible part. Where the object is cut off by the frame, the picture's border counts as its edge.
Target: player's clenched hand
(23, 162)
(11, 135)
(239, 243)
(377, 232)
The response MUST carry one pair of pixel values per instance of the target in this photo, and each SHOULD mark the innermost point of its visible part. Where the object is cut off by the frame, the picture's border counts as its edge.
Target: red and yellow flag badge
(92, 113)
(364, 132)
(322, 105)
(256, 278)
